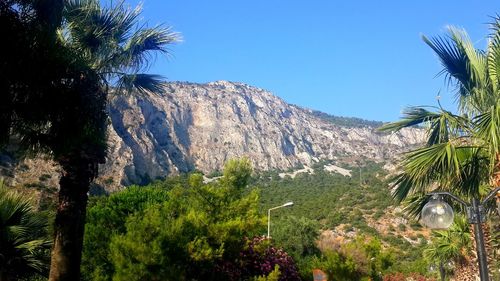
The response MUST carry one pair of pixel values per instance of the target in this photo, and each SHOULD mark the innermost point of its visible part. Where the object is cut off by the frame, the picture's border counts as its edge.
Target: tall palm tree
(111, 41)
(51, 101)
(461, 154)
(54, 95)
(23, 238)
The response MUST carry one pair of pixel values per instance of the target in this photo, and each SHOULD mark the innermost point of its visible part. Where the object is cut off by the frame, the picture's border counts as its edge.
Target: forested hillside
(350, 122)
(346, 207)
(333, 225)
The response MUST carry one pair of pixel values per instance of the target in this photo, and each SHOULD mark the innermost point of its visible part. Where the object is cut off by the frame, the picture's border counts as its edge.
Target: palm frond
(405, 185)
(447, 126)
(465, 68)
(139, 49)
(452, 59)
(476, 59)
(441, 126)
(141, 82)
(487, 125)
(453, 167)
(439, 160)
(22, 236)
(115, 44)
(473, 172)
(494, 56)
(412, 116)
(99, 31)
(451, 244)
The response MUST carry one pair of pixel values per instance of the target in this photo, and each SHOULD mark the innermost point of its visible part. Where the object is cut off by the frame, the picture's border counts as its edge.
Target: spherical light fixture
(437, 214)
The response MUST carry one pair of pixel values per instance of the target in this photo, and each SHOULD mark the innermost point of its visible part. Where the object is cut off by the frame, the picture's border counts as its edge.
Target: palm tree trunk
(495, 239)
(3, 276)
(70, 219)
(468, 267)
(496, 180)
(467, 270)
(488, 246)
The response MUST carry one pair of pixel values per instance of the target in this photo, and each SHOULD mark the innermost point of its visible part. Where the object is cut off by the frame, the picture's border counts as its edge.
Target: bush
(106, 217)
(402, 227)
(174, 230)
(297, 236)
(260, 258)
(360, 259)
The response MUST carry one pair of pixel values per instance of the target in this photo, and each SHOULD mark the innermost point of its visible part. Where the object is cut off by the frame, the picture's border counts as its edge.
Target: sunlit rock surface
(201, 126)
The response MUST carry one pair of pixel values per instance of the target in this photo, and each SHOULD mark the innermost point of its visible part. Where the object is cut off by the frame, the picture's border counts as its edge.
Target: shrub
(402, 227)
(260, 258)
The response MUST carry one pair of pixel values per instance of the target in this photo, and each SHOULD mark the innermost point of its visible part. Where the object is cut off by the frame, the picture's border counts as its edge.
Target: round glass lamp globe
(437, 214)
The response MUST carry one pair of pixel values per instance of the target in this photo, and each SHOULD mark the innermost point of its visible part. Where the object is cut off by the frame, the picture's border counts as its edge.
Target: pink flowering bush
(259, 258)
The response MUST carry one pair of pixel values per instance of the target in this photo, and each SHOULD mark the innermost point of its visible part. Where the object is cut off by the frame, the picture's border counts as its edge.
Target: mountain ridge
(202, 125)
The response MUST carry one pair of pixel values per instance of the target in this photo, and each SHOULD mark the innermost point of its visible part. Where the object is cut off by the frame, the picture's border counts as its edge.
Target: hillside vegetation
(349, 122)
(344, 208)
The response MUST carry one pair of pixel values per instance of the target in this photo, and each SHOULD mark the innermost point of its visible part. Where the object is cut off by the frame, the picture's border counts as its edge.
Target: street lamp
(287, 204)
(438, 214)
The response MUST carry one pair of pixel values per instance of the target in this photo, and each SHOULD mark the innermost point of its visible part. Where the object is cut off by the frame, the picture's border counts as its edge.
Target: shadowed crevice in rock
(287, 147)
(118, 107)
(167, 150)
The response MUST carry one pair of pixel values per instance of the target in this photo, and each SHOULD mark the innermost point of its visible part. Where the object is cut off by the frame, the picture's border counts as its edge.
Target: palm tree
(451, 245)
(23, 238)
(52, 102)
(461, 154)
(54, 96)
(112, 43)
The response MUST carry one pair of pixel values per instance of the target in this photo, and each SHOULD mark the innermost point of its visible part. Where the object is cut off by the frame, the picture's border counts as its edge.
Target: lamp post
(438, 214)
(287, 204)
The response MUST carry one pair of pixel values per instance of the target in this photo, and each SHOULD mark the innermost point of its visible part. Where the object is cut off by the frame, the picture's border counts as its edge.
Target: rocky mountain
(200, 126)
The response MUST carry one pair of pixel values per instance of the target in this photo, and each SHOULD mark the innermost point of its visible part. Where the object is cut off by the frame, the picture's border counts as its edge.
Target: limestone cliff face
(201, 126)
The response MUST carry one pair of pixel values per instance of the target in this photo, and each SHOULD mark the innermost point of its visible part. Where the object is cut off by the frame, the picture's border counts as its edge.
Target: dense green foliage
(450, 246)
(180, 229)
(360, 259)
(183, 238)
(24, 243)
(297, 235)
(329, 200)
(326, 197)
(352, 122)
(106, 217)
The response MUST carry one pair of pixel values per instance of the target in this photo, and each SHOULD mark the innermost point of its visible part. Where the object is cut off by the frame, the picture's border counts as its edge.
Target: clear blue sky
(348, 58)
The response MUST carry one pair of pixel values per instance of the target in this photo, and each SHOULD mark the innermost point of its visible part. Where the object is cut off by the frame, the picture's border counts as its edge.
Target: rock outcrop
(200, 126)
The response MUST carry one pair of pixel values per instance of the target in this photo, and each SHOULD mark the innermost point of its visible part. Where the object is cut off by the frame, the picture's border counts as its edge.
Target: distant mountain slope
(201, 126)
